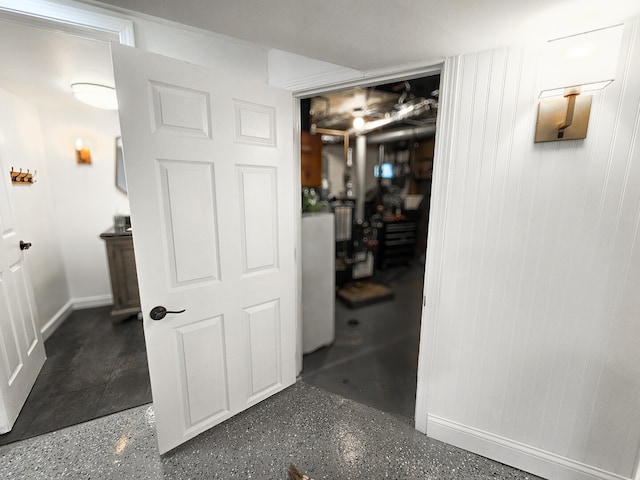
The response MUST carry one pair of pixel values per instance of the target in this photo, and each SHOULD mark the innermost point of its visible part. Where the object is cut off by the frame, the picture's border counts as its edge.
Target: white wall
(191, 44)
(85, 197)
(21, 146)
(531, 343)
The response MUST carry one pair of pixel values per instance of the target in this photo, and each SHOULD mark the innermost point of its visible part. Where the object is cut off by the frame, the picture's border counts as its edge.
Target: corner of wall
(57, 319)
(298, 73)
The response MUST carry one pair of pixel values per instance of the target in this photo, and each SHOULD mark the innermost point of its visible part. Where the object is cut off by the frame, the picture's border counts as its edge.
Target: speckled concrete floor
(323, 434)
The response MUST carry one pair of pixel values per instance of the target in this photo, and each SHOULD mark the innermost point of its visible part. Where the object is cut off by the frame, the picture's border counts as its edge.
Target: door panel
(21, 343)
(255, 123)
(263, 349)
(179, 110)
(209, 164)
(201, 348)
(258, 210)
(185, 184)
(11, 348)
(23, 309)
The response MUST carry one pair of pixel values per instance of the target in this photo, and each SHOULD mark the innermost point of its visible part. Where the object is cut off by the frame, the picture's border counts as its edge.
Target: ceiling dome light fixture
(96, 95)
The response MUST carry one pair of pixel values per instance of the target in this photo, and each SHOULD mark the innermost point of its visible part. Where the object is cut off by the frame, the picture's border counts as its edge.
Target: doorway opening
(94, 367)
(366, 163)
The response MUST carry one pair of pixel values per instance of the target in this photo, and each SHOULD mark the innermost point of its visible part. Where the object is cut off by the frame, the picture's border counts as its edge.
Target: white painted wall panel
(533, 277)
(23, 146)
(84, 198)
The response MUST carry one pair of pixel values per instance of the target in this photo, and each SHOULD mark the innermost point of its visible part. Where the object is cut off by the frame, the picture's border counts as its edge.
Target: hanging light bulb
(358, 123)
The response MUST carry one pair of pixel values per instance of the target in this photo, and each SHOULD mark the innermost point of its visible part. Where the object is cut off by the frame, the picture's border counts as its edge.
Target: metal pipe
(412, 133)
(406, 112)
(381, 154)
(361, 168)
(380, 158)
(348, 177)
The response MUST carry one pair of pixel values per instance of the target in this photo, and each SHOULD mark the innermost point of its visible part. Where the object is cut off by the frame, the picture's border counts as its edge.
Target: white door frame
(436, 223)
(74, 18)
(99, 24)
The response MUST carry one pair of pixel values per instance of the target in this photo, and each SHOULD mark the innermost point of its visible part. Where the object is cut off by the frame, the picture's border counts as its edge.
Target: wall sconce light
(571, 66)
(83, 154)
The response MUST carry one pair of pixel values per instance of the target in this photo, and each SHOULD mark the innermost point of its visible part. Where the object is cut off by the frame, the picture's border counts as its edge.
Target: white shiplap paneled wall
(531, 336)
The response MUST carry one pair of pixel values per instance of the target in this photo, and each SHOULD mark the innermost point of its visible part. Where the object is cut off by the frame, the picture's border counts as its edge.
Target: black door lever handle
(25, 245)
(159, 312)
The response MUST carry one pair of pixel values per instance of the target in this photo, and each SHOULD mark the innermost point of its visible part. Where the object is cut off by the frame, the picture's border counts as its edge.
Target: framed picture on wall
(121, 179)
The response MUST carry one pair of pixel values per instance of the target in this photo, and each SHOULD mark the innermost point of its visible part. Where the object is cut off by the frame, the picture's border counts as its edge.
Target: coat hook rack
(22, 178)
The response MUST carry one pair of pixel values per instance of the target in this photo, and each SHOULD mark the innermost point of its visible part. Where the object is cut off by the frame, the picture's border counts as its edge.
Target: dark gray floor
(93, 368)
(375, 362)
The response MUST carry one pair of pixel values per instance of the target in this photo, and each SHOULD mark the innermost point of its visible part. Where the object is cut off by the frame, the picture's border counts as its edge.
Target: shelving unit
(397, 243)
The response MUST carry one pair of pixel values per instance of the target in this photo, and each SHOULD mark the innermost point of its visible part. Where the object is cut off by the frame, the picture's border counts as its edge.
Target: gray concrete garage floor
(323, 434)
(374, 359)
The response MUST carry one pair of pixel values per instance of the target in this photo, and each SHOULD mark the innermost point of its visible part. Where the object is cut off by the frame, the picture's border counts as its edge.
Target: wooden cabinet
(422, 168)
(124, 278)
(310, 160)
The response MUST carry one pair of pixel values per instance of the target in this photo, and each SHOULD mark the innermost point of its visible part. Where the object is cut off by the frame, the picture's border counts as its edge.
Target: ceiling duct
(400, 134)
(406, 112)
(385, 113)
(336, 110)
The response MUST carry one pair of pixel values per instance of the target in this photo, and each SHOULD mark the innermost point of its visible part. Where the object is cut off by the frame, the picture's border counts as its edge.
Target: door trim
(297, 231)
(85, 20)
(445, 134)
(329, 84)
(448, 71)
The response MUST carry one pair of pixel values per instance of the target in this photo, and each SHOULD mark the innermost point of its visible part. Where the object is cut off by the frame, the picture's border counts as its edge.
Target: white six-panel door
(209, 165)
(21, 347)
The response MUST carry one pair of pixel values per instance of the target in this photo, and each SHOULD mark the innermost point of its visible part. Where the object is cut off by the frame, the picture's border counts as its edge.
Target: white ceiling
(372, 34)
(362, 34)
(41, 64)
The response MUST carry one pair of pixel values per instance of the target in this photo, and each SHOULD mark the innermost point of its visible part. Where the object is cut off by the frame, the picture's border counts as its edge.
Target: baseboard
(73, 304)
(509, 452)
(90, 302)
(56, 320)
